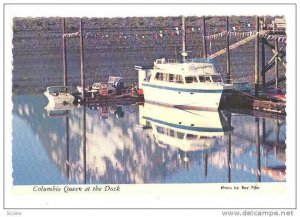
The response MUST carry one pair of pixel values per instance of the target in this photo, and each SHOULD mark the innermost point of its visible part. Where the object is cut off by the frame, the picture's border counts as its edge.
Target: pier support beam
(183, 40)
(276, 63)
(68, 147)
(229, 80)
(84, 142)
(263, 58)
(64, 52)
(229, 150)
(258, 163)
(256, 67)
(203, 38)
(82, 62)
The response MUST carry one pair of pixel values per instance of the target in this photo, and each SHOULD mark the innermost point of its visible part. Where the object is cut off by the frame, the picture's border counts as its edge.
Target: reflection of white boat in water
(186, 130)
(59, 95)
(192, 84)
(58, 110)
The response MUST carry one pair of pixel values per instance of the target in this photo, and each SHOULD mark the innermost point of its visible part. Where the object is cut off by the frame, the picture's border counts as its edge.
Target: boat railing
(164, 61)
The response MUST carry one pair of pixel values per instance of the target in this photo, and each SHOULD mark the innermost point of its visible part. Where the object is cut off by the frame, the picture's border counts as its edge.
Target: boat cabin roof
(188, 68)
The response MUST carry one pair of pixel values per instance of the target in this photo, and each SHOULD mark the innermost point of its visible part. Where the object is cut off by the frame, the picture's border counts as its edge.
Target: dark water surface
(109, 144)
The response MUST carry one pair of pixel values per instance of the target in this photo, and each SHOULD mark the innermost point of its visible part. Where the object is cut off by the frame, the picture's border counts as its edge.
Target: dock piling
(204, 38)
(229, 150)
(258, 163)
(64, 53)
(276, 63)
(256, 67)
(183, 39)
(82, 62)
(263, 58)
(228, 73)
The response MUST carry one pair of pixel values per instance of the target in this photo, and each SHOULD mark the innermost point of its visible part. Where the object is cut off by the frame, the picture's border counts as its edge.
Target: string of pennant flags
(176, 32)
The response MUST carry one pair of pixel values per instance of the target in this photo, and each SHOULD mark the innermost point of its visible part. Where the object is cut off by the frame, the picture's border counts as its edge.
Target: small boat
(113, 86)
(91, 89)
(193, 84)
(59, 95)
(58, 110)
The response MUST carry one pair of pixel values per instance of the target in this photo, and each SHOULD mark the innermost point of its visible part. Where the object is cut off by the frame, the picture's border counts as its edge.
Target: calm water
(142, 144)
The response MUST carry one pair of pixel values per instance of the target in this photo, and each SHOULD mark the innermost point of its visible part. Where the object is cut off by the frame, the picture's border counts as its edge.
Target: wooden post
(263, 58)
(273, 22)
(176, 54)
(228, 52)
(277, 131)
(276, 63)
(203, 38)
(256, 67)
(84, 143)
(183, 39)
(64, 52)
(258, 164)
(264, 130)
(68, 146)
(229, 151)
(82, 62)
(206, 164)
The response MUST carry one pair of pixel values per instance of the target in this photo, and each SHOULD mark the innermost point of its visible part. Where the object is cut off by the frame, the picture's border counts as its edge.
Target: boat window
(159, 76)
(191, 79)
(171, 77)
(178, 79)
(216, 78)
(160, 129)
(180, 135)
(172, 133)
(191, 136)
(165, 77)
(207, 79)
(201, 79)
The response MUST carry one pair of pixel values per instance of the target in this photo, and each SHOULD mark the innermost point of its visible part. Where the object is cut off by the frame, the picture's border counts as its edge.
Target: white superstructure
(192, 84)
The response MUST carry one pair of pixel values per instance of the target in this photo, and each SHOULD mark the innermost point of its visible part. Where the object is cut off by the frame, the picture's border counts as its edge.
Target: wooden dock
(125, 99)
(265, 35)
(239, 100)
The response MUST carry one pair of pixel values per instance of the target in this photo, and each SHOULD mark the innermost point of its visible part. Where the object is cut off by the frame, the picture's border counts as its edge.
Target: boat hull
(184, 98)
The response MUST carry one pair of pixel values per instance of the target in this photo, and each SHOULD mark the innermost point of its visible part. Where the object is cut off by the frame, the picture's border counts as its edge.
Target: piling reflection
(145, 144)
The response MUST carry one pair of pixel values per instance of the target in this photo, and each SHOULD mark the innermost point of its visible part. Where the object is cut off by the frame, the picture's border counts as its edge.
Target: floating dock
(239, 100)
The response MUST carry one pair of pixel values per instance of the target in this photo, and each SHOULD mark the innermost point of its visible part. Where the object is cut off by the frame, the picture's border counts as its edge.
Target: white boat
(58, 110)
(59, 95)
(193, 84)
(183, 129)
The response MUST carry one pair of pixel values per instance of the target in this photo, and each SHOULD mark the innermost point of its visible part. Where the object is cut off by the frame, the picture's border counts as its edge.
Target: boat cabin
(194, 71)
(187, 79)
